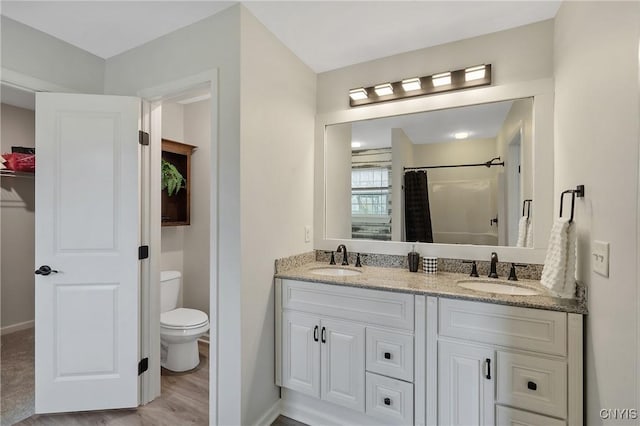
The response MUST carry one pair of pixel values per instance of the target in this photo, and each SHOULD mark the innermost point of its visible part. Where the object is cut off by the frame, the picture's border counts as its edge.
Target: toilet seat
(183, 319)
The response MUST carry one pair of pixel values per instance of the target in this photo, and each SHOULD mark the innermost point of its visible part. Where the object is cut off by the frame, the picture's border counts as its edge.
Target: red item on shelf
(20, 162)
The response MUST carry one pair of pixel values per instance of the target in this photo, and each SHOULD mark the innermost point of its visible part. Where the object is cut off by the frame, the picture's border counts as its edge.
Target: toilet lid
(183, 318)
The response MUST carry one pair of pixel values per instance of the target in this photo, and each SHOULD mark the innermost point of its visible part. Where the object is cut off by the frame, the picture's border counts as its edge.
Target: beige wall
(522, 60)
(519, 54)
(597, 138)
(17, 219)
(278, 94)
(210, 44)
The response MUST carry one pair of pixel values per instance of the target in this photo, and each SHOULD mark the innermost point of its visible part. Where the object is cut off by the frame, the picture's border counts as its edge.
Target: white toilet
(179, 328)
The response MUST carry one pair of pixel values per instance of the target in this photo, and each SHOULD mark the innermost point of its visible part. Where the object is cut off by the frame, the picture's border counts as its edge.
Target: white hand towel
(529, 239)
(522, 232)
(559, 271)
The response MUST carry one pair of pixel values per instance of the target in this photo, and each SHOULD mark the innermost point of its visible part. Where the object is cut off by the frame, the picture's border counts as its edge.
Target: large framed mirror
(456, 173)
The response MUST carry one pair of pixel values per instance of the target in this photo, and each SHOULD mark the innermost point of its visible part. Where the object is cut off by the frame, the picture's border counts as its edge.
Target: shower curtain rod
(485, 164)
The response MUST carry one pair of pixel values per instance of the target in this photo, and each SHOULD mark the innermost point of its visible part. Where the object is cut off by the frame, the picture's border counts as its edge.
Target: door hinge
(143, 252)
(143, 137)
(143, 365)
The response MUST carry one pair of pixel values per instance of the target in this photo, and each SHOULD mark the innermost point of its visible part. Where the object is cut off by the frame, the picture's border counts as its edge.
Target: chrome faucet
(494, 262)
(343, 249)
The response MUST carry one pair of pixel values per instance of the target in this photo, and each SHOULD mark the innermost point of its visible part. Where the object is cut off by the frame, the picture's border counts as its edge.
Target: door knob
(45, 270)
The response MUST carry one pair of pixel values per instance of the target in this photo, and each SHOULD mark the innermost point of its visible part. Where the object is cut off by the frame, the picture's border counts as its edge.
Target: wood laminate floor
(184, 399)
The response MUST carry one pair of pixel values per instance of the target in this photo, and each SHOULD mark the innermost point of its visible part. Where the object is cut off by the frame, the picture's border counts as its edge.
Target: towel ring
(578, 192)
(528, 204)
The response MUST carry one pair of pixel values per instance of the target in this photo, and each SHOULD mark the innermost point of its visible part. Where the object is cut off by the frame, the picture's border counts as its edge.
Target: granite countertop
(442, 284)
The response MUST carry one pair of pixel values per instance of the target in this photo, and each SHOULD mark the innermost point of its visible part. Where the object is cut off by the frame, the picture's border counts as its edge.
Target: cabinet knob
(532, 386)
(387, 355)
(387, 401)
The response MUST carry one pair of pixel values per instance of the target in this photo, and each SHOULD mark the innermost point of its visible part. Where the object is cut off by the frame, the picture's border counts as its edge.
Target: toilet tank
(169, 290)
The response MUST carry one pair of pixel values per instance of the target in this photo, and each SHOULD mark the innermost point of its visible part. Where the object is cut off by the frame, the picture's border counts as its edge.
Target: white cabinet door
(465, 384)
(301, 352)
(87, 237)
(343, 362)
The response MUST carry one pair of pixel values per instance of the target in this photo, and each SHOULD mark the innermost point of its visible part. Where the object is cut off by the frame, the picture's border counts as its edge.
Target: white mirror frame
(543, 170)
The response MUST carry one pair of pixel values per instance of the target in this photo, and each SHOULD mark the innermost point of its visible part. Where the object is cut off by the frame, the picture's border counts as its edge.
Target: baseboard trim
(270, 415)
(16, 327)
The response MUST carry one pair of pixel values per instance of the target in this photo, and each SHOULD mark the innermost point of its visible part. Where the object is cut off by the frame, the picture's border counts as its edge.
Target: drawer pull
(387, 355)
(387, 401)
(488, 362)
(532, 386)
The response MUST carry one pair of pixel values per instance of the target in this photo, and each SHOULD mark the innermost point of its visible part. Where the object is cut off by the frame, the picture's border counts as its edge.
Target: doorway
(208, 274)
(513, 165)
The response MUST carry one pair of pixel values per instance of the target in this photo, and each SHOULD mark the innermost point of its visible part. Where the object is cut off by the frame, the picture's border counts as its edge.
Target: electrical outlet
(600, 258)
(307, 234)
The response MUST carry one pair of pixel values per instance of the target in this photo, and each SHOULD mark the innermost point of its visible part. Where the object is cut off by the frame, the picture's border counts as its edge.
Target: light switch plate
(600, 258)
(307, 234)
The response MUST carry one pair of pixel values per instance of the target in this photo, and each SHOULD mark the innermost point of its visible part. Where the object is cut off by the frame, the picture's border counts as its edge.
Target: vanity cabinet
(508, 365)
(465, 384)
(352, 348)
(347, 355)
(324, 358)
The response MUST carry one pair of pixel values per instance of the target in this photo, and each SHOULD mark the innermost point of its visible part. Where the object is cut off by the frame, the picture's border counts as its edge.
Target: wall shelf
(176, 209)
(12, 174)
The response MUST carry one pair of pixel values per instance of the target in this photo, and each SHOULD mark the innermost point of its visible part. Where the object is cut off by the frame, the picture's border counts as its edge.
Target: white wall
(339, 181)
(278, 95)
(597, 138)
(197, 131)
(17, 216)
(519, 54)
(38, 55)
(401, 157)
(213, 43)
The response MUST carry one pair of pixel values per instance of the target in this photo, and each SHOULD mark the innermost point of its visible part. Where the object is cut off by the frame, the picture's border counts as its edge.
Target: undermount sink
(335, 272)
(491, 286)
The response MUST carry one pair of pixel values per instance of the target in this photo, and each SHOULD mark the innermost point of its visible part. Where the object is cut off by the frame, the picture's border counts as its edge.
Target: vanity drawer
(522, 328)
(532, 383)
(389, 400)
(384, 308)
(506, 416)
(390, 353)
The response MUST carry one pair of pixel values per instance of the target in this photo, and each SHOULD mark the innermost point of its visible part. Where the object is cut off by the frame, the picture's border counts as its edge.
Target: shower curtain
(417, 215)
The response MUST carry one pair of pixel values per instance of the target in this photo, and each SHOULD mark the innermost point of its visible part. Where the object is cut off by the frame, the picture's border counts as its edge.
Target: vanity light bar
(465, 78)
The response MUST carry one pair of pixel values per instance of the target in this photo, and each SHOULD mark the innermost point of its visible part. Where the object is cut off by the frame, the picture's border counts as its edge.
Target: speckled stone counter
(442, 284)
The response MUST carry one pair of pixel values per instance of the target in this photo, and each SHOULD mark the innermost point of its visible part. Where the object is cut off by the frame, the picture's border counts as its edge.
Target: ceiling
(480, 121)
(324, 34)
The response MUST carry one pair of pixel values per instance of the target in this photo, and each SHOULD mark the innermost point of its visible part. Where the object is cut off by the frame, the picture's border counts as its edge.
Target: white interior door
(87, 233)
